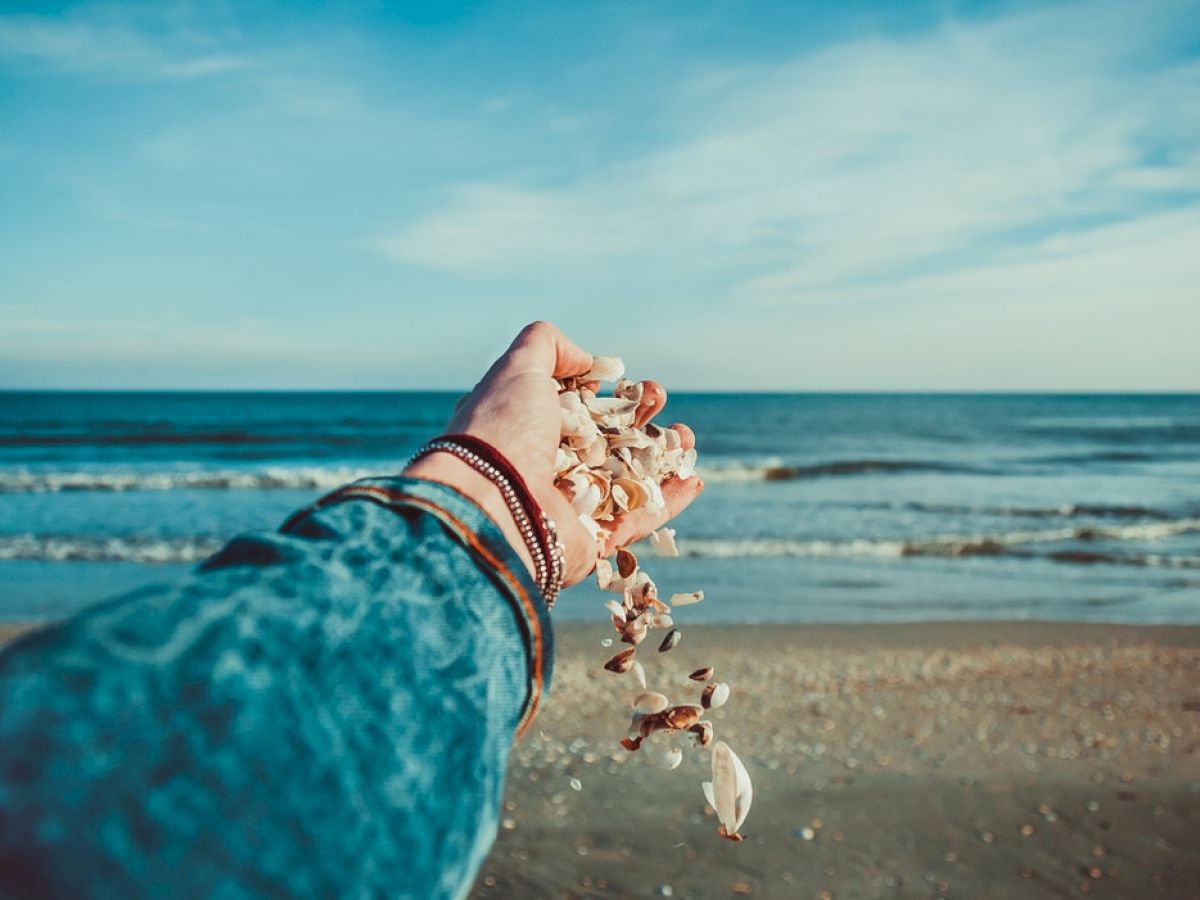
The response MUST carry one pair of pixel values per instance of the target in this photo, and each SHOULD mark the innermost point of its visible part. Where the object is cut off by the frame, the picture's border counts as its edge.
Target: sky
(730, 196)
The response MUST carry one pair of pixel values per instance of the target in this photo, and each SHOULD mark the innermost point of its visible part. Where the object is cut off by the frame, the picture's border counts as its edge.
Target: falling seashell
(703, 730)
(631, 744)
(635, 725)
(670, 641)
(673, 758)
(682, 717)
(626, 562)
(617, 609)
(702, 674)
(730, 793)
(622, 662)
(662, 542)
(660, 620)
(687, 599)
(720, 695)
(604, 573)
(650, 702)
(605, 368)
(639, 673)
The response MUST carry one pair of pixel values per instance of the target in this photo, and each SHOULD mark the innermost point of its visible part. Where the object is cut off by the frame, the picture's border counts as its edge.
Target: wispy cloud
(93, 46)
(875, 159)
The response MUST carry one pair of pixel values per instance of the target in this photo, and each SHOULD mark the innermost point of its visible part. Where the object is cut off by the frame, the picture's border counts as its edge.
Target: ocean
(818, 507)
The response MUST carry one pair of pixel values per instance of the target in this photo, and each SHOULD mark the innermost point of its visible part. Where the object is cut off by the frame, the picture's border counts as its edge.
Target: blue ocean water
(819, 508)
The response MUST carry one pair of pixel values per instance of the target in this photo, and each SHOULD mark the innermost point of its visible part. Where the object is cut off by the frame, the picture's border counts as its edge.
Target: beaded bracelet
(537, 530)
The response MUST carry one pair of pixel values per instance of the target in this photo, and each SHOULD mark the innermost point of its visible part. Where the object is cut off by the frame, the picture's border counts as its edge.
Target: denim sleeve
(326, 711)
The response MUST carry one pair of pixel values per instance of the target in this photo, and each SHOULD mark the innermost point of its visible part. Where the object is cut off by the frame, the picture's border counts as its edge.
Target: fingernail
(700, 490)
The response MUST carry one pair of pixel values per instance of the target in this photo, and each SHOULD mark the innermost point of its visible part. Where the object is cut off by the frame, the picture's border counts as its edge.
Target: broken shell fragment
(650, 702)
(687, 599)
(663, 542)
(673, 758)
(631, 744)
(702, 674)
(622, 662)
(604, 573)
(669, 642)
(703, 730)
(715, 695)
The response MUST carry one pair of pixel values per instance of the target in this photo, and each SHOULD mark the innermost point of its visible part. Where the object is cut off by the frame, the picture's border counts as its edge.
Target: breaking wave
(777, 470)
(1013, 543)
(274, 478)
(107, 549)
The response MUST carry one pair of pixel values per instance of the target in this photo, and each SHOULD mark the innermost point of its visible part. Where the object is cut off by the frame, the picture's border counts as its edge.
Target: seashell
(622, 662)
(660, 620)
(715, 695)
(673, 758)
(703, 730)
(617, 609)
(730, 792)
(604, 573)
(629, 390)
(650, 702)
(631, 744)
(663, 542)
(681, 717)
(720, 695)
(610, 407)
(635, 723)
(639, 674)
(630, 495)
(702, 674)
(626, 562)
(669, 642)
(687, 599)
(605, 368)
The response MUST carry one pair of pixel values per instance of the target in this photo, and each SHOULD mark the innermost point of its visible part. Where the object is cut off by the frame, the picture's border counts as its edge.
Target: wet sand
(950, 760)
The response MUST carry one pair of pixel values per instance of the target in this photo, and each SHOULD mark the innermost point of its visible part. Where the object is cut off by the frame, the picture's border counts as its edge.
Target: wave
(1065, 511)
(78, 548)
(776, 470)
(274, 478)
(1012, 543)
(107, 549)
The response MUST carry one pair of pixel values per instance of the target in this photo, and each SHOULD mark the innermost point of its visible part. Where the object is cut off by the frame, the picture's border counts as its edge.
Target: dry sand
(949, 760)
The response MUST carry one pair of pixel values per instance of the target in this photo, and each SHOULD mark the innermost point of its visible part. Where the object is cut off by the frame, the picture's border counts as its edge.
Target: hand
(515, 409)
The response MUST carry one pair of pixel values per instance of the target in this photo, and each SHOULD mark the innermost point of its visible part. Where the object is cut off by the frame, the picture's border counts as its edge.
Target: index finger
(544, 348)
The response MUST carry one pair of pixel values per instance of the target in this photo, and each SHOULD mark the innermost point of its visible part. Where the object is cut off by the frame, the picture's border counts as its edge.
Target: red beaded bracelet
(536, 528)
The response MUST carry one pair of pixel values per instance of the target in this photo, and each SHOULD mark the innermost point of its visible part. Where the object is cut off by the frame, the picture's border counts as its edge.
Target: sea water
(818, 508)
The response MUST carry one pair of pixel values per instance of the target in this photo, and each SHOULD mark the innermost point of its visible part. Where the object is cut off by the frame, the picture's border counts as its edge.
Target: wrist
(449, 470)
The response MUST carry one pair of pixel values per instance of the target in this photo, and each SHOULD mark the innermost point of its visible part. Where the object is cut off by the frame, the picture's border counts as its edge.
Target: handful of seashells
(606, 466)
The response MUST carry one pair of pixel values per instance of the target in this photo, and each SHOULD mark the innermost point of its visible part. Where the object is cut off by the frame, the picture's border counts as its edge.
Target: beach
(925, 760)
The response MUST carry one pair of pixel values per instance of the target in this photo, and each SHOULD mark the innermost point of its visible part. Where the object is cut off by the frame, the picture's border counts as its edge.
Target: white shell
(686, 599)
(604, 573)
(639, 674)
(663, 542)
(731, 788)
(673, 758)
(605, 368)
(720, 695)
(650, 702)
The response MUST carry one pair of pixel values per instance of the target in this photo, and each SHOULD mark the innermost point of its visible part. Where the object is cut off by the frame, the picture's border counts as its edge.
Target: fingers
(632, 527)
(687, 437)
(544, 348)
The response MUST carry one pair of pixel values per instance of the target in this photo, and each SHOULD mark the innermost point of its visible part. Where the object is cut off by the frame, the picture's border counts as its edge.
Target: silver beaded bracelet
(549, 562)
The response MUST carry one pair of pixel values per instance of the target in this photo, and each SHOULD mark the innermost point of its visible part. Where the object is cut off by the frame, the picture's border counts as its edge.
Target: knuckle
(538, 330)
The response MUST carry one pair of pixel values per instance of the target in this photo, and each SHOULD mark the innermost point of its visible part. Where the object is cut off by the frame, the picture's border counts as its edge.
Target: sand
(949, 760)
(979, 760)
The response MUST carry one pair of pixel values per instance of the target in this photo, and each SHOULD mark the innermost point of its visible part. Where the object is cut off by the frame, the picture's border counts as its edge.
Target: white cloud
(863, 161)
(96, 47)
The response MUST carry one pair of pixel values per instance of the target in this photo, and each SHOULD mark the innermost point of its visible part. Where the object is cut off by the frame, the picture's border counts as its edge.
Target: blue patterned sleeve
(326, 711)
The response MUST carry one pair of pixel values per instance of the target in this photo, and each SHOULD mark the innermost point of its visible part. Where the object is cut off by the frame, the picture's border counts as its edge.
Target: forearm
(328, 710)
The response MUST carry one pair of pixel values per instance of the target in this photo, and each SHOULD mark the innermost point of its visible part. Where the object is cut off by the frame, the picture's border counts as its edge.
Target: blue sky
(731, 195)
